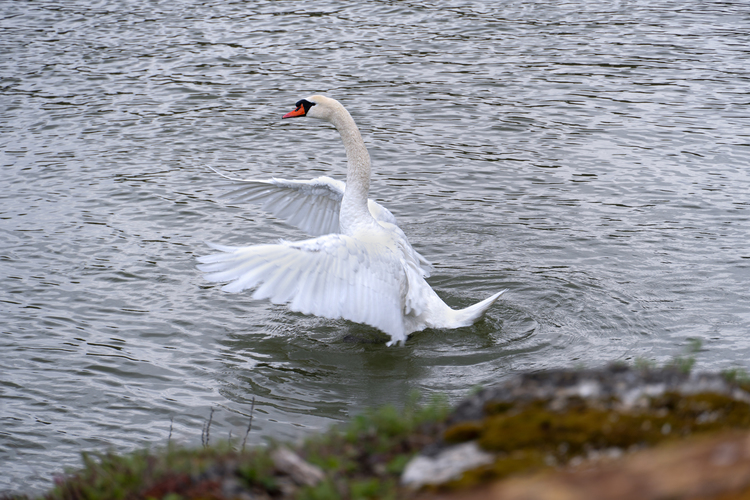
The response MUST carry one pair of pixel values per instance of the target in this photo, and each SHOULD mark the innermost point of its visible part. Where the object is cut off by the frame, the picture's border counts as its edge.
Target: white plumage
(360, 266)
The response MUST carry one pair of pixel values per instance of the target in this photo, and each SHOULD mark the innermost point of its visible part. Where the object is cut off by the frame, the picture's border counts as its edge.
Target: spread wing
(334, 276)
(311, 205)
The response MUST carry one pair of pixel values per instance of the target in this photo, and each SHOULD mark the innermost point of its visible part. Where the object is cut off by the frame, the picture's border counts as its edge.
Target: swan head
(315, 106)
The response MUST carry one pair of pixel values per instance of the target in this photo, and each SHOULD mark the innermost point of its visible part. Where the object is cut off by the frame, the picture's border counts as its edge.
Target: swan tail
(472, 314)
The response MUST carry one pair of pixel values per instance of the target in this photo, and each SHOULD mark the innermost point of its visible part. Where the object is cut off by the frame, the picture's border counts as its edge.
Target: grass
(365, 458)
(361, 460)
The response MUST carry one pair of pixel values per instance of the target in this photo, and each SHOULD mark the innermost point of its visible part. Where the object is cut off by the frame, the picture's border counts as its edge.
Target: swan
(358, 266)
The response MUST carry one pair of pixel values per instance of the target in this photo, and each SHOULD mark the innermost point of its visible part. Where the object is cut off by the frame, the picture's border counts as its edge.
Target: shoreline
(537, 430)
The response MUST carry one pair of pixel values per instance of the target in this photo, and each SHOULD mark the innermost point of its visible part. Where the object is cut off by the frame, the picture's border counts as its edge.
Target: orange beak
(300, 111)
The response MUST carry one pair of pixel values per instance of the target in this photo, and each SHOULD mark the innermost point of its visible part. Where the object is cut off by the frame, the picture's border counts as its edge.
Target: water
(592, 157)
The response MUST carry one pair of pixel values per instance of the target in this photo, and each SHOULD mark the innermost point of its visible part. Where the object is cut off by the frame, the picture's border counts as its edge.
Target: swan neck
(354, 207)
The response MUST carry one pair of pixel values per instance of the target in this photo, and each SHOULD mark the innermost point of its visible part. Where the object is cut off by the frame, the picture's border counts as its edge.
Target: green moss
(506, 465)
(326, 490)
(365, 458)
(497, 407)
(388, 421)
(343, 464)
(372, 488)
(530, 434)
(464, 431)
(256, 469)
(397, 465)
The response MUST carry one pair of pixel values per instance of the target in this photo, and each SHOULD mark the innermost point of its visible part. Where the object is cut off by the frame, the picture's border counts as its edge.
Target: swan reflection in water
(359, 266)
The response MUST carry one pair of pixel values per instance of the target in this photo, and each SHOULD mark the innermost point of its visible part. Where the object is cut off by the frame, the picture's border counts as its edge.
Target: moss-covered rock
(550, 419)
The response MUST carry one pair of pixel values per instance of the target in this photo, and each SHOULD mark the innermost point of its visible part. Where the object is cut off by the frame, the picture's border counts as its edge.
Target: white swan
(360, 266)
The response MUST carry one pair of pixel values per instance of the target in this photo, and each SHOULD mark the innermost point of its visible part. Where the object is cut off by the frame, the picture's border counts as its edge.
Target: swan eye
(301, 109)
(305, 103)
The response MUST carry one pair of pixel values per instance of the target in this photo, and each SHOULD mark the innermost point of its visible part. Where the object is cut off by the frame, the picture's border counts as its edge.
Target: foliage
(686, 362)
(737, 376)
(361, 460)
(365, 458)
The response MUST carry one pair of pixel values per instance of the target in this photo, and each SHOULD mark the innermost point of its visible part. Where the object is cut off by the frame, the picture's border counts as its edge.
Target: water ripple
(591, 157)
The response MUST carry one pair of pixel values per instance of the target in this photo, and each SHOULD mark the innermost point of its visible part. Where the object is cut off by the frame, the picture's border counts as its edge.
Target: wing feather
(311, 205)
(302, 203)
(334, 276)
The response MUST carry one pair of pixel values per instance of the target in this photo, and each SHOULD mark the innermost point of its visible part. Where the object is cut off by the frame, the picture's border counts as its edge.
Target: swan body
(359, 265)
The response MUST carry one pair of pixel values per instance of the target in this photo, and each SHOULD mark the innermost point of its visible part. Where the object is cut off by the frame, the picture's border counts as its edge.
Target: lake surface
(592, 157)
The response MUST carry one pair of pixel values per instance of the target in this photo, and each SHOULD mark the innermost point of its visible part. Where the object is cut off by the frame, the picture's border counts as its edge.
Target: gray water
(590, 156)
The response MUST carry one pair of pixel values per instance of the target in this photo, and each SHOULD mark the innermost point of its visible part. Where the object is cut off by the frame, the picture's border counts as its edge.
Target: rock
(706, 467)
(449, 464)
(303, 473)
(587, 418)
(629, 386)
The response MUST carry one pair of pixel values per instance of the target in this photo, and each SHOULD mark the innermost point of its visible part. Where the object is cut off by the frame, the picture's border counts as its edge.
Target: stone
(705, 467)
(449, 464)
(303, 473)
